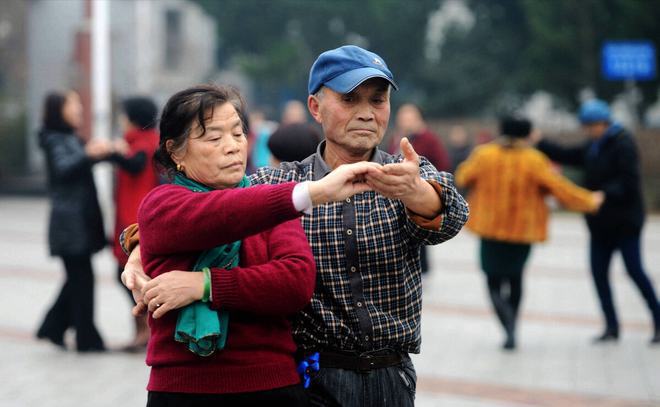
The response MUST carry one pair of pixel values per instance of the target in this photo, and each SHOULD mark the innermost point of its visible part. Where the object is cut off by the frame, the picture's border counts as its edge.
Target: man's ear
(313, 106)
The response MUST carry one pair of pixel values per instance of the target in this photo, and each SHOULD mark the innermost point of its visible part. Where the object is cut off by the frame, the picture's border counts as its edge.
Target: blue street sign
(633, 60)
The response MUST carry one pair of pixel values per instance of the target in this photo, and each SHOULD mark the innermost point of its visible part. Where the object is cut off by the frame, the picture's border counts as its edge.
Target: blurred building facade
(13, 80)
(160, 47)
(157, 48)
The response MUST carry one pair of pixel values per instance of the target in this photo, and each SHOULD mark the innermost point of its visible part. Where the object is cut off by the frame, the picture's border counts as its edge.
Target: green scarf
(205, 330)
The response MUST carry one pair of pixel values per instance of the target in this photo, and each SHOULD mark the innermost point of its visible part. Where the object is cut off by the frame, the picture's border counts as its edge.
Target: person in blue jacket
(610, 161)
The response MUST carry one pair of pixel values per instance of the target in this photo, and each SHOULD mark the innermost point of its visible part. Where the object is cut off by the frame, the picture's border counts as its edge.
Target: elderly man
(364, 317)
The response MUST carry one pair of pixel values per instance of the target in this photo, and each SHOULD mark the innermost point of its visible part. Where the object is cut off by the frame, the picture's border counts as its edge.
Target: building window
(172, 39)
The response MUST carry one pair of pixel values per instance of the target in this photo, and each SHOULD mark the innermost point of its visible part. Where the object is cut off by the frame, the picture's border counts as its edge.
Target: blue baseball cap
(343, 69)
(594, 110)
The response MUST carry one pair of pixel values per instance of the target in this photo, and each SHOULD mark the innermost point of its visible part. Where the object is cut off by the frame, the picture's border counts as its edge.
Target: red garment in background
(131, 188)
(427, 144)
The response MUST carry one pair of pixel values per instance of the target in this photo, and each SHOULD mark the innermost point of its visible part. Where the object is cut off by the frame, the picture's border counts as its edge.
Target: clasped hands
(99, 148)
(396, 181)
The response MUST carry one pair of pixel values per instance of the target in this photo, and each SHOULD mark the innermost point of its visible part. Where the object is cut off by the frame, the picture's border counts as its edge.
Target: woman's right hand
(343, 182)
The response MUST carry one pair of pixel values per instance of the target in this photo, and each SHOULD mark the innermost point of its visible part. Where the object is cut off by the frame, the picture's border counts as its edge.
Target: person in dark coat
(75, 229)
(610, 161)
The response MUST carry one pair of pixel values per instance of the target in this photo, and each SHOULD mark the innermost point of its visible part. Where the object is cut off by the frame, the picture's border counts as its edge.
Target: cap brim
(592, 120)
(348, 81)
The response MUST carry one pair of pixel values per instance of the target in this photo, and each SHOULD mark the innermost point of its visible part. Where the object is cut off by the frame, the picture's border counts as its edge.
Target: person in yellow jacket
(508, 181)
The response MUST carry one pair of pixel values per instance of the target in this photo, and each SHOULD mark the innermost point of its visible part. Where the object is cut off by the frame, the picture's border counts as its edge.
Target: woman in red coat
(222, 335)
(136, 176)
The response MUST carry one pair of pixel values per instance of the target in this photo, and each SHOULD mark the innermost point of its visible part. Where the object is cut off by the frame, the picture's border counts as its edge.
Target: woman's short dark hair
(515, 126)
(184, 109)
(52, 113)
(141, 111)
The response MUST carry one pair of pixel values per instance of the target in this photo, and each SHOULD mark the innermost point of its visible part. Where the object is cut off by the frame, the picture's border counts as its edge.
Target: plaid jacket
(368, 292)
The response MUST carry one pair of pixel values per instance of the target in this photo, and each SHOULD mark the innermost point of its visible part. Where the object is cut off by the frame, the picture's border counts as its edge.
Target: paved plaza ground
(461, 363)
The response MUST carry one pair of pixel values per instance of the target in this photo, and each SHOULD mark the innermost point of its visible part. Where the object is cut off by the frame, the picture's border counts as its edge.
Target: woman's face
(72, 110)
(219, 157)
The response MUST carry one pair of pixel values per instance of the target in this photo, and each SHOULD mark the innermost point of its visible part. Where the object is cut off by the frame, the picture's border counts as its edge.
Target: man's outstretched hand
(402, 181)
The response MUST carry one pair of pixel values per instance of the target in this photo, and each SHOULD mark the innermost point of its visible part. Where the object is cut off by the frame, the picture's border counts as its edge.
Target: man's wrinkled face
(355, 121)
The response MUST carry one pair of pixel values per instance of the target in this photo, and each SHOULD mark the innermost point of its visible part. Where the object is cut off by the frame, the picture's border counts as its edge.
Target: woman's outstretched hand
(343, 182)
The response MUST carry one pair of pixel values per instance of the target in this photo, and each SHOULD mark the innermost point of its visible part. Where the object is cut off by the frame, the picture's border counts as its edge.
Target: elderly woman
(229, 341)
(508, 181)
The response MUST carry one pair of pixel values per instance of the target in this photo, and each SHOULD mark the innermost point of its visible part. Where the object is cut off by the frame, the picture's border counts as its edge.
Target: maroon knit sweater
(275, 280)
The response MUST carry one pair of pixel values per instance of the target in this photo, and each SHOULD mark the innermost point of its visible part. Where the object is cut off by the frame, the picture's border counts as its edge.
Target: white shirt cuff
(301, 199)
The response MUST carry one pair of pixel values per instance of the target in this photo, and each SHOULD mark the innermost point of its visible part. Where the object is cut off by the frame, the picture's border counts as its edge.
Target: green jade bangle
(207, 284)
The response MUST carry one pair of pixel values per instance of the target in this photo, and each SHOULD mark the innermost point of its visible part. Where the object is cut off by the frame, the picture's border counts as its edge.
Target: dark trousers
(390, 386)
(505, 294)
(284, 396)
(601, 256)
(74, 307)
(504, 264)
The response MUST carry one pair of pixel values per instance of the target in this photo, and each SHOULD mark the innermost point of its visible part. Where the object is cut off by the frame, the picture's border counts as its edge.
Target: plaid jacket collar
(321, 168)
